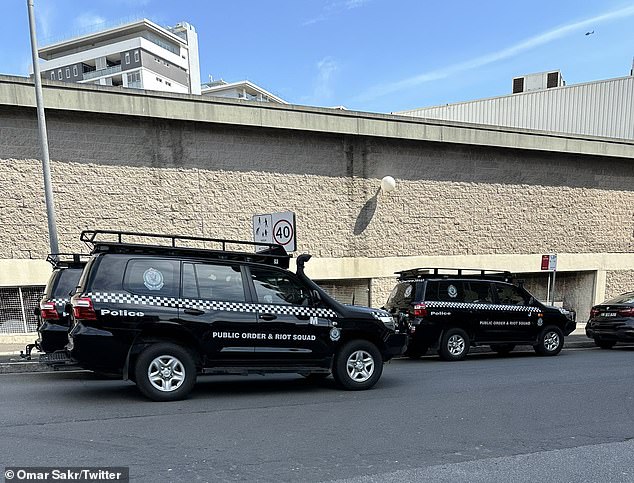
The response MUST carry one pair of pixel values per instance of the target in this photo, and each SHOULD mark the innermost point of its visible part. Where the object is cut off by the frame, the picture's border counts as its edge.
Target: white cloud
(326, 67)
(512, 51)
(334, 8)
(87, 20)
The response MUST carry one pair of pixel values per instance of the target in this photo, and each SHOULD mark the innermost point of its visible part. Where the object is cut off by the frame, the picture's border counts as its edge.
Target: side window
(273, 287)
(510, 295)
(213, 282)
(431, 291)
(451, 291)
(160, 278)
(478, 293)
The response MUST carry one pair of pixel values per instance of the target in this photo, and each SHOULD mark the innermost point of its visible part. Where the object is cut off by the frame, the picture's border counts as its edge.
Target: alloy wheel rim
(360, 366)
(456, 345)
(551, 341)
(166, 373)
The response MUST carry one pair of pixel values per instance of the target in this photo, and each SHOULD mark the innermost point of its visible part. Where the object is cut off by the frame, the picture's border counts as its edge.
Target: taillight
(420, 310)
(594, 312)
(83, 309)
(48, 311)
(629, 312)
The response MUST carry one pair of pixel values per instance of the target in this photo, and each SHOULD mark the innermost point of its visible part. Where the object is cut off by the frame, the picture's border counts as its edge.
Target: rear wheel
(165, 372)
(358, 365)
(604, 344)
(454, 345)
(502, 349)
(550, 342)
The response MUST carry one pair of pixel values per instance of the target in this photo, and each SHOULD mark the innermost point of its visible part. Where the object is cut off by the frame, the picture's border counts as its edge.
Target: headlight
(388, 321)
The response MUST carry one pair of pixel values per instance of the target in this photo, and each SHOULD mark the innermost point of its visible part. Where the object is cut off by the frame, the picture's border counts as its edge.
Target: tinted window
(626, 298)
(273, 287)
(214, 282)
(402, 295)
(451, 291)
(66, 282)
(152, 277)
(510, 295)
(478, 293)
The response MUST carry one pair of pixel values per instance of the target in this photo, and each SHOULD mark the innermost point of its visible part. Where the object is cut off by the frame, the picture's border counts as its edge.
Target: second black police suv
(162, 314)
(453, 309)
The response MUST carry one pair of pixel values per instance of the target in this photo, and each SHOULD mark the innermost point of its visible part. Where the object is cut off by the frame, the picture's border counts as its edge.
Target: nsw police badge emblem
(335, 334)
(153, 279)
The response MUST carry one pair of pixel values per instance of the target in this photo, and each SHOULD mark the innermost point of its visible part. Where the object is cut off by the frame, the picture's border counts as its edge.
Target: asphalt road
(519, 418)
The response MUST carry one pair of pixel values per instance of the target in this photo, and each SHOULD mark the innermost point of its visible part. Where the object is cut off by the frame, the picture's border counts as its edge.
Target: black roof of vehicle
(447, 273)
(112, 241)
(67, 260)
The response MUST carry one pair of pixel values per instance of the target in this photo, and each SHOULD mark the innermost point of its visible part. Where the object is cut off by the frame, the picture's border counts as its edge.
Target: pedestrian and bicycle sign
(275, 228)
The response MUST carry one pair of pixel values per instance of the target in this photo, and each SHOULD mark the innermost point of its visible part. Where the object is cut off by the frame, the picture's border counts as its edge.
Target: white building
(543, 102)
(140, 54)
(239, 90)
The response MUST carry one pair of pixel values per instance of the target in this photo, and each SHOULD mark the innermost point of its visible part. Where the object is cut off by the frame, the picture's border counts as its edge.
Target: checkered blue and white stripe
(156, 301)
(496, 307)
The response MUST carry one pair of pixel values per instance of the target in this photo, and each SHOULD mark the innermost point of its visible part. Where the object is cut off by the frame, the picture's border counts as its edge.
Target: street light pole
(41, 121)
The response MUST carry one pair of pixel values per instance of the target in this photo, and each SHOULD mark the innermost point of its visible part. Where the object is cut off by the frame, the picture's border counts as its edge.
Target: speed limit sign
(276, 228)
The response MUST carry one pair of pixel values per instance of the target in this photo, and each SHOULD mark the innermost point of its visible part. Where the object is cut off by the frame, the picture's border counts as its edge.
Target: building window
(52, 75)
(59, 74)
(75, 71)
(127, 57)
(68, 72)
(136, 55)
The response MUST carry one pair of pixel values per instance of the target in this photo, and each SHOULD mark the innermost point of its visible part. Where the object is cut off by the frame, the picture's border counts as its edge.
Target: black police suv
(612, 321)
(161, 315)
(453, 309)
(53, 319)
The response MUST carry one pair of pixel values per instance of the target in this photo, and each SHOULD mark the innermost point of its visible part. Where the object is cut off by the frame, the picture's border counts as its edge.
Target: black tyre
(357, 365)
(604, 344)
(550, 342)
(165, 372)
(454, 345)
(502, 349)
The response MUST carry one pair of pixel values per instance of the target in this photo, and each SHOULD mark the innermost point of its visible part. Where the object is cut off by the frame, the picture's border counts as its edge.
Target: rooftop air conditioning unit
(539, 81)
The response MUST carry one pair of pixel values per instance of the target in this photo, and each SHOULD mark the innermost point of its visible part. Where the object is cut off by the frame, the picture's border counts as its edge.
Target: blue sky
(369, 55)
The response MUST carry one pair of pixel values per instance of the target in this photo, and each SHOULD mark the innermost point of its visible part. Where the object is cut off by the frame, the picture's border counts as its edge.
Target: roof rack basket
(67, 260)
(272, 253)
(436, 272)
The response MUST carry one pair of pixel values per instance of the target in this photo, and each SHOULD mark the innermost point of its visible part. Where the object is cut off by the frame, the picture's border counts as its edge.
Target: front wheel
(165, 372)
(550, 342)
(604, 344)
(358, 365)
(454, 345)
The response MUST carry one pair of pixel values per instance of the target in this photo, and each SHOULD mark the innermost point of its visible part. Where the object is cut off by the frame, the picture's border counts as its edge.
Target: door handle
(194, 311)
(268, 316)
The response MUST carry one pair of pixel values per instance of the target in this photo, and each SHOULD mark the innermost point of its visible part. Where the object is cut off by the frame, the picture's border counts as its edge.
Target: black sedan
(612, 321)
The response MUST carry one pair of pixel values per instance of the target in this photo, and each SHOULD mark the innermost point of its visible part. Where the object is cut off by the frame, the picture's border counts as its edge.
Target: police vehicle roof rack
(422, 273)
(102, 240)
(67, 260)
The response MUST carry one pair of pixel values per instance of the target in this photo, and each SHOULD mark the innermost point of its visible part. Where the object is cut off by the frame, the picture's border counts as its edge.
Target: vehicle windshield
(625, 298)
(402, 295)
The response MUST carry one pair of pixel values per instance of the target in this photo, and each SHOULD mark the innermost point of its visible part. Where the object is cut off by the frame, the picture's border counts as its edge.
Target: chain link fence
(16, 309)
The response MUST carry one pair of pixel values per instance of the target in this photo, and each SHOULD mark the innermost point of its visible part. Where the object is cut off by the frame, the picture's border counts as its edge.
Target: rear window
(625, 298)
(402, 295)
(65, 283)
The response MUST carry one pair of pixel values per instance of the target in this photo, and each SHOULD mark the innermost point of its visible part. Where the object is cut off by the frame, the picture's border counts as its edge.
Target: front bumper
(570, 327)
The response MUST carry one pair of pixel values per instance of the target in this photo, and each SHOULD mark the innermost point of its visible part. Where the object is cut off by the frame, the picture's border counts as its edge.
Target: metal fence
(16, 309)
